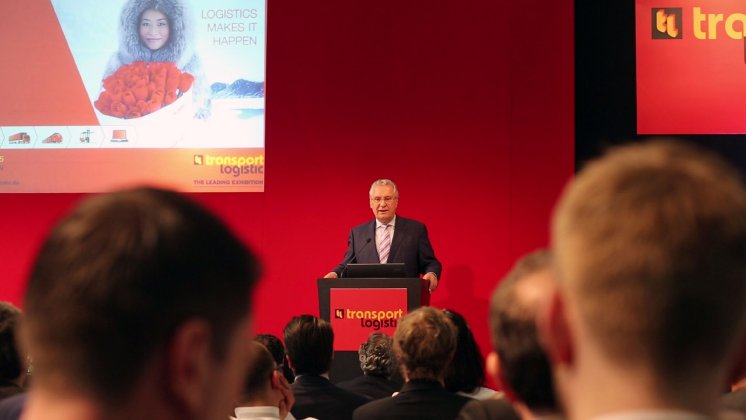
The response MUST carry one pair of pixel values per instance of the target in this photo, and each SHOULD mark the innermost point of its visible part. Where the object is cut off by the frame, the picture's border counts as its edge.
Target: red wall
(468, 106)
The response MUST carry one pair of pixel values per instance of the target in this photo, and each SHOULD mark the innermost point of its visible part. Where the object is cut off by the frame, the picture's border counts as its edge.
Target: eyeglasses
(386, 200)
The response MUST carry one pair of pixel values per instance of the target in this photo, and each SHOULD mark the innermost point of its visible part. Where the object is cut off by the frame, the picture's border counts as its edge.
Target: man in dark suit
(378, 365)
(391, 239)
(518, 362)
(424, 344)
(309, 342)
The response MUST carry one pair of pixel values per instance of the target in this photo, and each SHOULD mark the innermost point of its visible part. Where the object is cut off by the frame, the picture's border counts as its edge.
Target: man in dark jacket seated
(424, 344)
(378, 364)
(309, 342)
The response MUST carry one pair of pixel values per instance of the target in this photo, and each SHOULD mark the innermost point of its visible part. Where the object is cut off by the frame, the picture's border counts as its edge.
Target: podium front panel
(356, 313)
(380, 294)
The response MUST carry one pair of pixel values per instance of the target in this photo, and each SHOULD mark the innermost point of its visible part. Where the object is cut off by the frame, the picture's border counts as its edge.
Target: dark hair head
(424, 343)
(467, 370)
(259, 375)
(310, 344)
(10, 360)
(117, 276)
(376, 355)
(523, 363)
(275, 346)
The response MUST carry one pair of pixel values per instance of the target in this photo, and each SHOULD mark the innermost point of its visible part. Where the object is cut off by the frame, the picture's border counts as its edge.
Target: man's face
(383, 203)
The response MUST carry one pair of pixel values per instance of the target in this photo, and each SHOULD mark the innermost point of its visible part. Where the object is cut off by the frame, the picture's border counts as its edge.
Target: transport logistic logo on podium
(667, 23)
(358, 312)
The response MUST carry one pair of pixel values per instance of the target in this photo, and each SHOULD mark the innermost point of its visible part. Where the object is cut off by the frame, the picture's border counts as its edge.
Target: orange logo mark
(666, 23)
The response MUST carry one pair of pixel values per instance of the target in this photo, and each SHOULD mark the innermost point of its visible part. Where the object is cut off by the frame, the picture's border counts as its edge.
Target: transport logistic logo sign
(667, 23)
(356, 313)
(690, 66)
(705, 24)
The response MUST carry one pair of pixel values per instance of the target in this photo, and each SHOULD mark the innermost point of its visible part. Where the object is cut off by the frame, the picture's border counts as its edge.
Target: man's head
(257, 387)
(11, 365)
(136, 284)
(309, 342)
(519, 362)
(650, 248)
(384, 197)
(467, 370)
(424, 344)
(376, 355)
(277, 349)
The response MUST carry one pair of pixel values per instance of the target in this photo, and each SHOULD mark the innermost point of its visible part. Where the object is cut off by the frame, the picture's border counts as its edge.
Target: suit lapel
(399, 234)
(373, 251)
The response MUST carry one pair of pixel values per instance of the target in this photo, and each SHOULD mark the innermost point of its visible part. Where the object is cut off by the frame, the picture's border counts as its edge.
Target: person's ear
(493, 364)
(555, 332)
(189, 364)
(494, 368)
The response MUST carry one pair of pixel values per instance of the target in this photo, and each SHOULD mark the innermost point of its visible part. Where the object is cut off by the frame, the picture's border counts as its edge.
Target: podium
(357, 307)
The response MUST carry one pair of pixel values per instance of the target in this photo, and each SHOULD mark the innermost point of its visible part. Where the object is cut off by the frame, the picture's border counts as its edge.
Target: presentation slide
(99, 95)
(691, 66)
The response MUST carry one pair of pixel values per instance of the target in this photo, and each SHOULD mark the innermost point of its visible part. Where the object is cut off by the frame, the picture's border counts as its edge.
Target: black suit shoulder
(423, 400)
(316, 396)
(734, 400)
(488, 410)
(370, 386)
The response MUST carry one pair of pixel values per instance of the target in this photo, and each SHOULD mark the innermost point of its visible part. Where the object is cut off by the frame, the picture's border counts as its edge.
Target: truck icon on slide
(19, 138)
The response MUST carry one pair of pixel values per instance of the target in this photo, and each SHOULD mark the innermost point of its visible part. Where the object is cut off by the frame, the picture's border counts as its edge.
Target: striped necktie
(385, 246)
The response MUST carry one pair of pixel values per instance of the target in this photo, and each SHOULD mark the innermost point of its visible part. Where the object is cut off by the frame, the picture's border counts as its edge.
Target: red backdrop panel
(468, 106)
(690, 67)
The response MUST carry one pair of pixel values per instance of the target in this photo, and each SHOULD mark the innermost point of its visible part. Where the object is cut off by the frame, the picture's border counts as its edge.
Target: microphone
(354, 257)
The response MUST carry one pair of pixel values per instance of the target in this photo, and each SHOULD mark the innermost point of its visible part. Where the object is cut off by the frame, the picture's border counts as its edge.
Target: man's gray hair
(376, 355)
(383, 182)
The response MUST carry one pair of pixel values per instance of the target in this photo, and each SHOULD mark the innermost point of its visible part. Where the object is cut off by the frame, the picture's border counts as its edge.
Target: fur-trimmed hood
(180, 48)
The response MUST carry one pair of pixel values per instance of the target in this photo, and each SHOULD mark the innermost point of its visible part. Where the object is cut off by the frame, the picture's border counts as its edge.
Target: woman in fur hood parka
(176, 44)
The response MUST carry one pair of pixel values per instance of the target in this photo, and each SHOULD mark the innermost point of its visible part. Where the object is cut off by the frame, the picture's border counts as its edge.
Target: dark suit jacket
(370, 386)
(734, 401)
(11, 407)
(316, 396)
(418, 399)
(410, 246)
(488, 410)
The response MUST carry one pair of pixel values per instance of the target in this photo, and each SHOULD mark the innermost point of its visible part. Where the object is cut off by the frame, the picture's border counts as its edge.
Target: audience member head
(650, 251)
(11, 363)
(376, 356)
(264, 383)
(518, 361)
(466, 373)
(310, 345)
(424, 344)
(277, 349)
(141, 288)
(258, 380)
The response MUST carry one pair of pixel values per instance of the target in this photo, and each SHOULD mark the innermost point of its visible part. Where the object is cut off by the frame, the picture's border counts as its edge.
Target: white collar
(264, 411)
(392, 223)
(653, 415)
